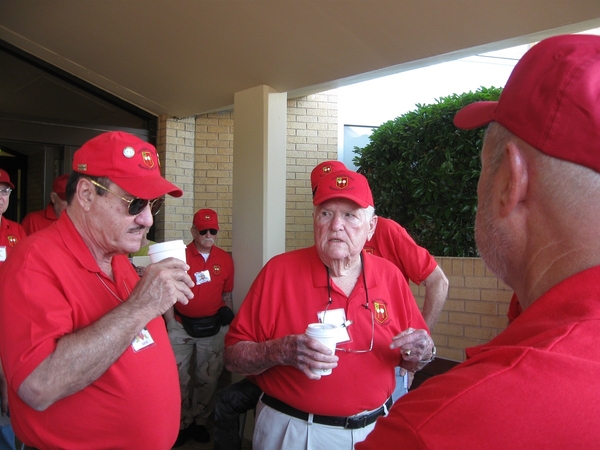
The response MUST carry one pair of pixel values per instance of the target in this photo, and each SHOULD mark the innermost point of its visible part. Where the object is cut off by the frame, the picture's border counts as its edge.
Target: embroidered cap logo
(341, 182)
(147, 157)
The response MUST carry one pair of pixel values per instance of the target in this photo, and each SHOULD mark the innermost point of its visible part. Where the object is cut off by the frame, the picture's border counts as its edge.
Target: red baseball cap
(344, 184)
(126, 160)
(323, 169)
(205, 219)
(5, 178)
(59, 186)
(551, 100)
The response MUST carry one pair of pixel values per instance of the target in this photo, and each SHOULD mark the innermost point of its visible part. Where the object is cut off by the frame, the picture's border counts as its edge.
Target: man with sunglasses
(201, 326)
(334, 281)
(82, 339)
(11, 233)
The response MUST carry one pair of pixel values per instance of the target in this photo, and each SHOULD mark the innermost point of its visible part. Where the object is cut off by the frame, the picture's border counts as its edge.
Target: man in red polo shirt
(201, 325)
(83, 344)
(11, 233)
(535, 385)
(38, 220)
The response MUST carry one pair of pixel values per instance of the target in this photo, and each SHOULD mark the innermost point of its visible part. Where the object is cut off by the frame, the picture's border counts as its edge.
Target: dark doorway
(46, 114)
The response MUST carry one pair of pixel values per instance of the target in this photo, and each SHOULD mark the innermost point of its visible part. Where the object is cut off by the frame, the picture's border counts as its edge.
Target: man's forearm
(252, 358)
(81, 357)
(436, 293)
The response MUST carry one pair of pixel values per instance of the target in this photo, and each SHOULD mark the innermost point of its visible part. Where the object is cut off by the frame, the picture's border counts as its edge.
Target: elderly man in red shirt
(38, 220)
(83, 343)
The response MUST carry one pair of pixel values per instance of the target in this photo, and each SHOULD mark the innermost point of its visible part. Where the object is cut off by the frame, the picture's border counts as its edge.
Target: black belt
(352, 422)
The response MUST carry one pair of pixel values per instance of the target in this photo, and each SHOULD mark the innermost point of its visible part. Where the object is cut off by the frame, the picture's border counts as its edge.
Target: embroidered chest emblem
(381, 313)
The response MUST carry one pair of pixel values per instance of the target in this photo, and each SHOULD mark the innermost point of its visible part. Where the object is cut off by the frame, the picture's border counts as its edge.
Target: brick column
(175, 145)
(311, 138)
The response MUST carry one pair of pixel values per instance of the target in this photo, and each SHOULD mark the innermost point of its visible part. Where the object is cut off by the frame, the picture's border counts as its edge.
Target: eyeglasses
(212, 231)
(136, 205)
(5, 192)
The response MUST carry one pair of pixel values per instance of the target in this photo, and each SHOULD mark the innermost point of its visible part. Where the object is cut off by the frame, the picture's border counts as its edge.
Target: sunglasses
(136, 205)
(212, 231)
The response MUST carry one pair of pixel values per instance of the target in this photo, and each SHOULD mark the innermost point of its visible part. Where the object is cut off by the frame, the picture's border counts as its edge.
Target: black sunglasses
(212, 231)
(137, 205)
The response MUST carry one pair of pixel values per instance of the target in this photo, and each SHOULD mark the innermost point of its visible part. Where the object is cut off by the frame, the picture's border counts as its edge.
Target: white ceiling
(187, 57)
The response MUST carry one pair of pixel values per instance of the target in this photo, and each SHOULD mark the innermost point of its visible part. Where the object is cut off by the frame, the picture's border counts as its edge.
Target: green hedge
(424, 171)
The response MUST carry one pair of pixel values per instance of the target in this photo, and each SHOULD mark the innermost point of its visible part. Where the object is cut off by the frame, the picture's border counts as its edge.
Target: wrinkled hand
(415, 346)
(305, 354)
(163, 284)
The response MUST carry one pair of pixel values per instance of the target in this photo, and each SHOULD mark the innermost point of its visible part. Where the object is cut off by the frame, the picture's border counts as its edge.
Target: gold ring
(407, 352)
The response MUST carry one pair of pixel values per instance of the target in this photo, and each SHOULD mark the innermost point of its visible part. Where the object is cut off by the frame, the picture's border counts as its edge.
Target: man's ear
(514, 179)
(372, 226)
(85, 193)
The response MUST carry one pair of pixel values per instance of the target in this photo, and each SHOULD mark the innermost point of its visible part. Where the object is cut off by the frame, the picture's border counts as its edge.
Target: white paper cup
(170, 249)
(326, 334)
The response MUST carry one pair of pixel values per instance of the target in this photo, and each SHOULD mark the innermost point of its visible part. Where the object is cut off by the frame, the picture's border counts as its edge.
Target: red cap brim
(147, 187)
(475, 115)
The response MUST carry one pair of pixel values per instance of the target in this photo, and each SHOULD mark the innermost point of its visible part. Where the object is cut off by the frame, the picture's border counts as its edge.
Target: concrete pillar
(259, 183)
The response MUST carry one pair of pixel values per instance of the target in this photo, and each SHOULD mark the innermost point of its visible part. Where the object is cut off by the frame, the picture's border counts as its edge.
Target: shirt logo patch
(147, 158)
(381, 313)
(217, 269)
(12, 240)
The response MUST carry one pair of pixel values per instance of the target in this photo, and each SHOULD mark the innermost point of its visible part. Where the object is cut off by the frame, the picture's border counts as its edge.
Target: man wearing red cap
(38, 220)
(364, 296)
(201, 326)
(11, 233)
(83, 343)
(391, 241)
(534, 385)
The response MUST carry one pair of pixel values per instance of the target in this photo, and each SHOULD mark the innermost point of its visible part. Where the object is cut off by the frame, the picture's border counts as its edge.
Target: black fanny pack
(200, 326)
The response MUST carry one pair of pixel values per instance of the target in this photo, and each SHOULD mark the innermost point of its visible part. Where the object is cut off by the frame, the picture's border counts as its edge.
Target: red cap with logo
(344, 184)
(5, 178)
(551, 100)
(205, 219)
(59, 186)
(325, 168)
(126, 160)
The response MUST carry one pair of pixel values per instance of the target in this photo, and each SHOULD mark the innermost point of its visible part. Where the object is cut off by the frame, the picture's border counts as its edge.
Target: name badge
(202, 277)
(2, 253)
(336, 317)
(142, 340)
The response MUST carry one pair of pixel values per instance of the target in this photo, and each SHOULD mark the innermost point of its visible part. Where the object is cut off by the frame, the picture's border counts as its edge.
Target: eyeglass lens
(6, 191)
(137, 205)
(212, 231)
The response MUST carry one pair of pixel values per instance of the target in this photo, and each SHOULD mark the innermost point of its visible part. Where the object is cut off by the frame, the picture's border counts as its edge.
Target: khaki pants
(197, 392)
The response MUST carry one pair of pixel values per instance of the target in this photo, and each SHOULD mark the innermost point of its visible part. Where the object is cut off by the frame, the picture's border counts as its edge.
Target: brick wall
(311, 139)
(214, 167)
(175, 145)
(475, 311)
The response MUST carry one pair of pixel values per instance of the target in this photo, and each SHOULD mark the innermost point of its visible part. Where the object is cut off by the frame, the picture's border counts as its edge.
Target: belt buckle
(352, 423)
